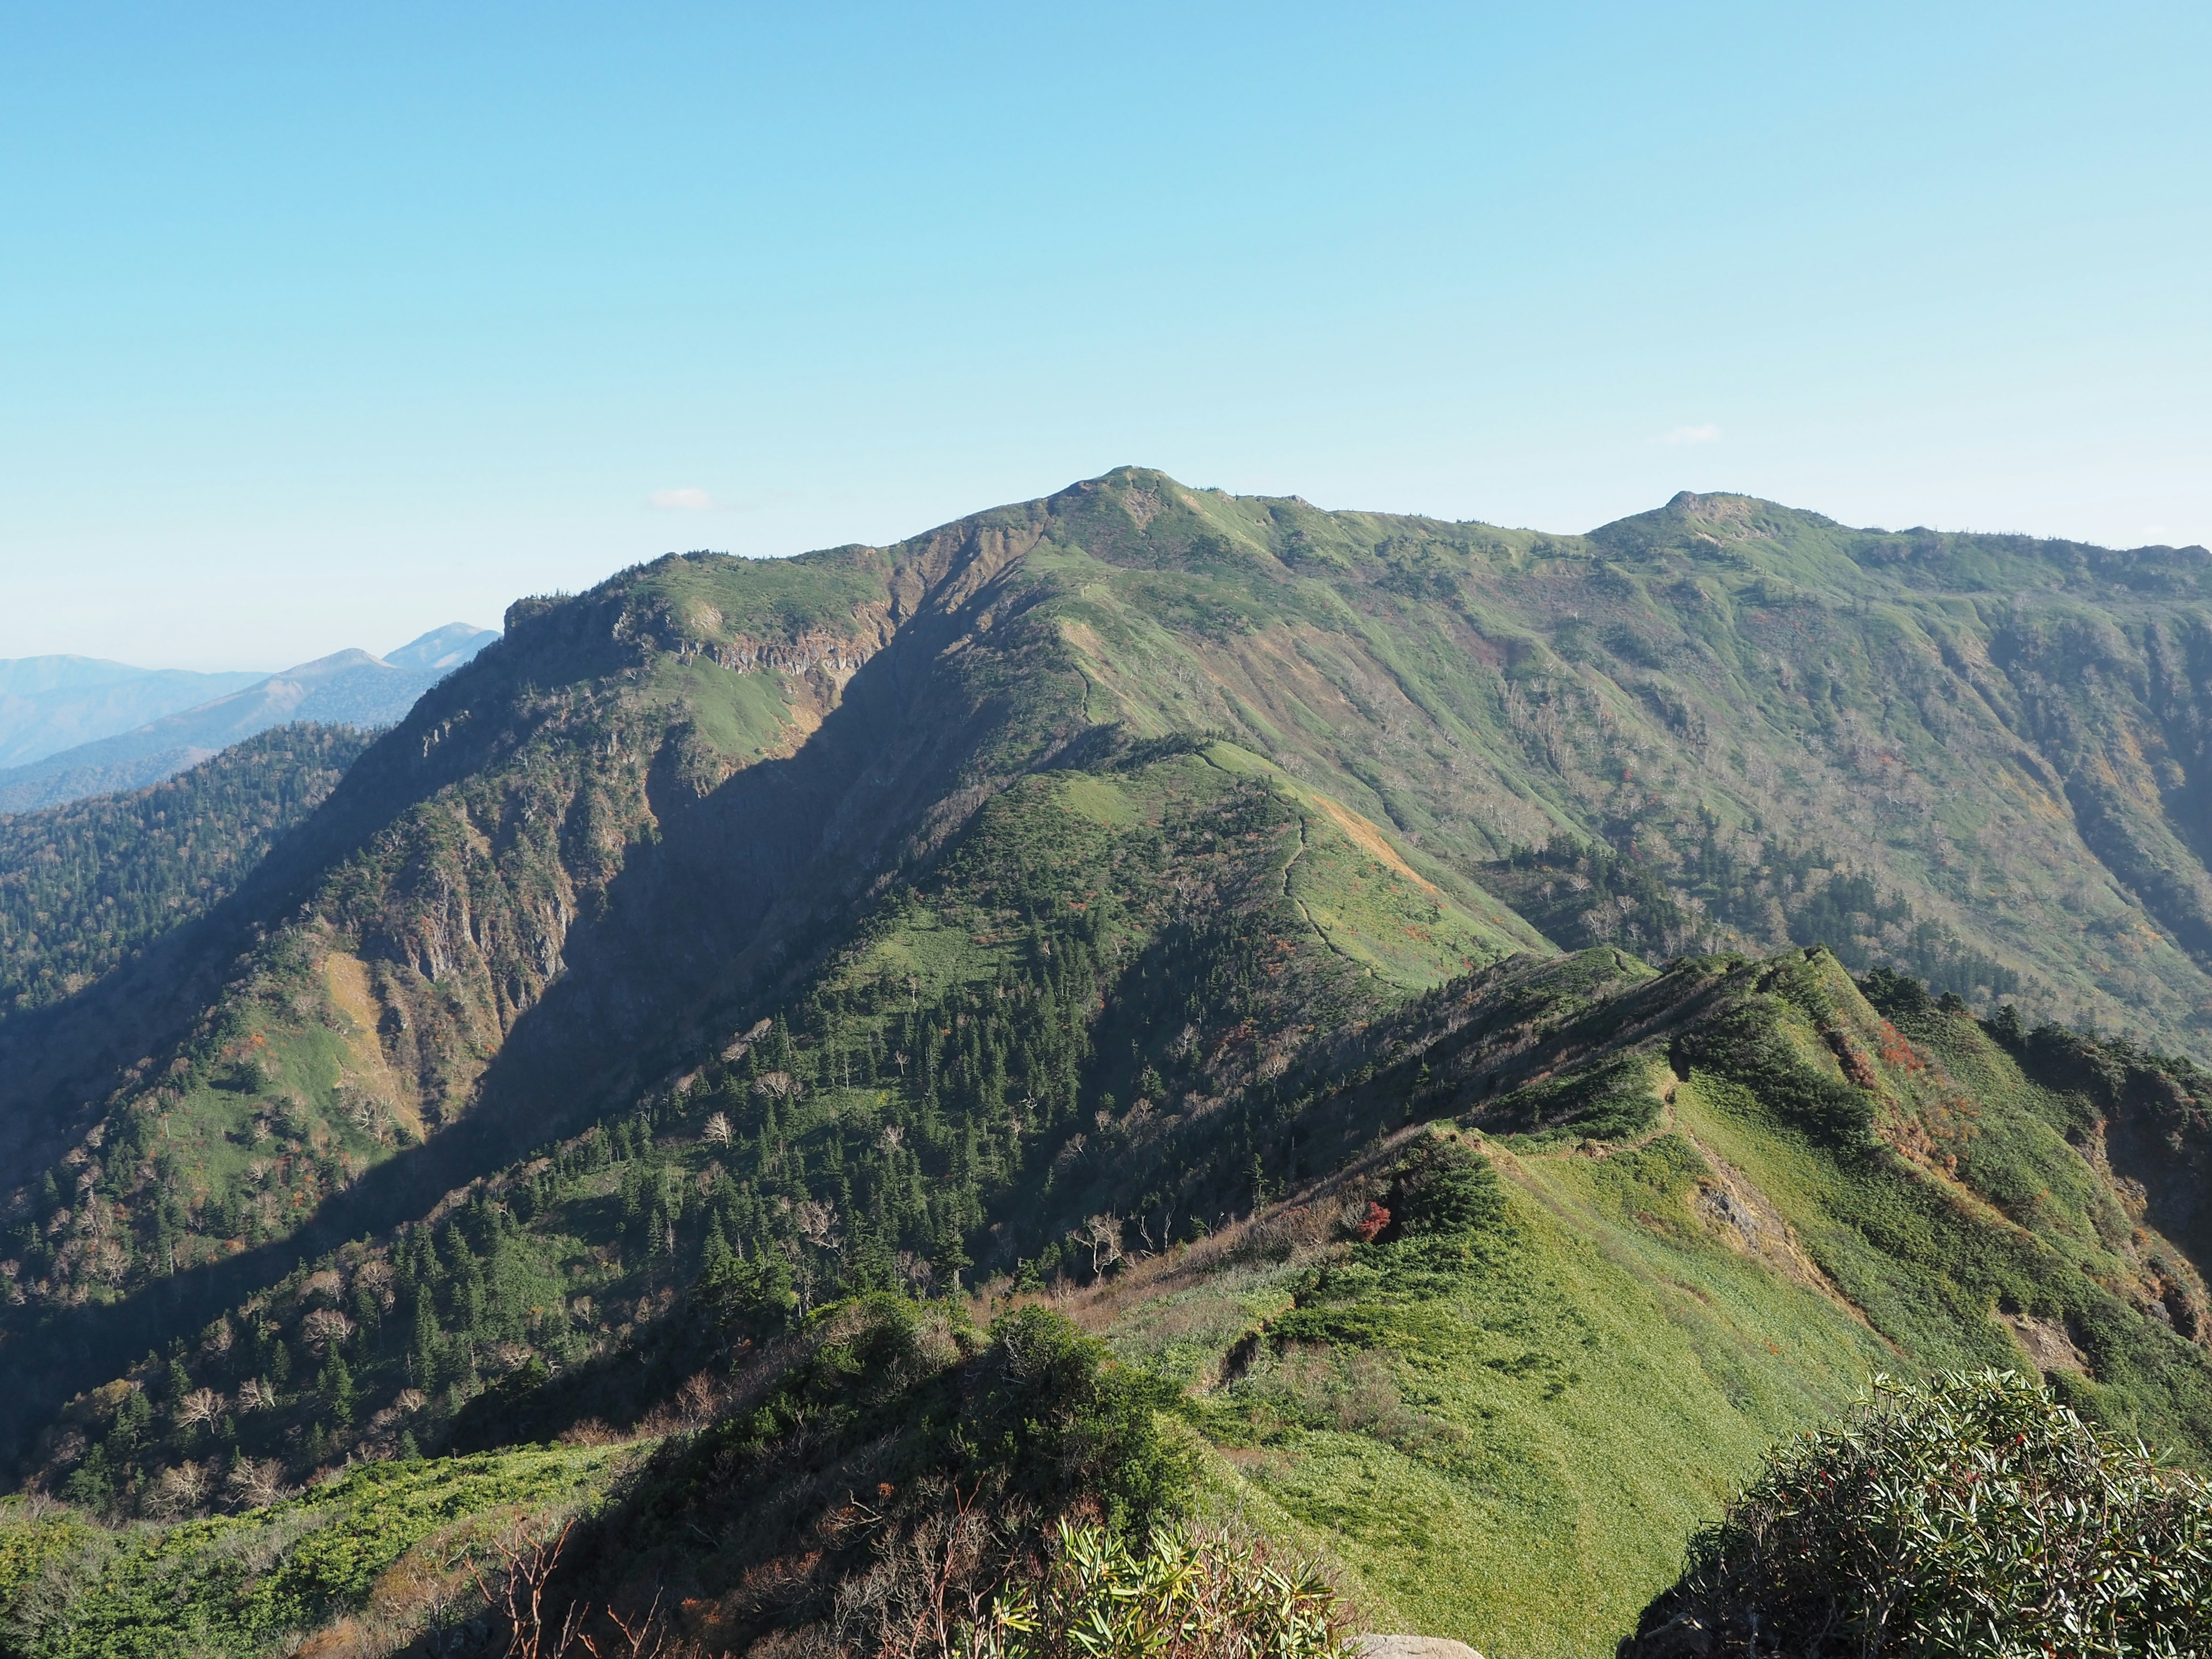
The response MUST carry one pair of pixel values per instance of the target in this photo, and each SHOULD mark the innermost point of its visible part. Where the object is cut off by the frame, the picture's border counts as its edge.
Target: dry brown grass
(1305, 1224)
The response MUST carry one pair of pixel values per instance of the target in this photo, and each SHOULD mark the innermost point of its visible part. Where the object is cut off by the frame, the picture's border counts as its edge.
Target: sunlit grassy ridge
(1510, 1433)
(1512, 1449)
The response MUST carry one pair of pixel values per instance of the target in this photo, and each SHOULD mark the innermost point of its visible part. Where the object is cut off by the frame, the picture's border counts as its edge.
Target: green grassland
(741, 717)
(381, 1553)
(1508, 1432)
(1510, 1444)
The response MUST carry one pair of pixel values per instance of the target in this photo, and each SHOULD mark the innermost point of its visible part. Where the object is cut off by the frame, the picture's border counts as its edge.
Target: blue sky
(320, 325)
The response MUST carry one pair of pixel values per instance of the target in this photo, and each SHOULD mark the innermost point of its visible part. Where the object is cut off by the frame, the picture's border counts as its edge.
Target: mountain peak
(442, 649)
(1691, 518)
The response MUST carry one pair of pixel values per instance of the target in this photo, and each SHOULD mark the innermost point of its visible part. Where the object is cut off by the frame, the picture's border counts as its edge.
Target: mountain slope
(1510, 1431)
(350, 688)
(1497, 1368)
(589, 854)
(84, 886)
(52, 704)
(1723, 690)
(1077, 879)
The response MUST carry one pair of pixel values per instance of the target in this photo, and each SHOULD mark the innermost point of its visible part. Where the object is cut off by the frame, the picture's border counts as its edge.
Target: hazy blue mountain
(48, 704)
(442, 649)
(348, 687)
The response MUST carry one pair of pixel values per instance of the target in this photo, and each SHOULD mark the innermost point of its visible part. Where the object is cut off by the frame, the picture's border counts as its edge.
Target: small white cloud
(2156, 530)
(1691, 435)
(682, 501)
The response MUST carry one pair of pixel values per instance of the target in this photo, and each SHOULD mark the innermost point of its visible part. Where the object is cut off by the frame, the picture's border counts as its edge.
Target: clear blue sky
(322, 324)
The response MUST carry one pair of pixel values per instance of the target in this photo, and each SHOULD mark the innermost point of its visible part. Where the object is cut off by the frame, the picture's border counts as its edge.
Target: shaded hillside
(1199, 882)
(84, 887)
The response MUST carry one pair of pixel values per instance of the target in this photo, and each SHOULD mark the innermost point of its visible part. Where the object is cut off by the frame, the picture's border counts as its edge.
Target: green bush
(1745, 1043)
(1444, 1186)
(1061, 1423)
(1976, 1515)
(1190, 1594)
(882, 1464)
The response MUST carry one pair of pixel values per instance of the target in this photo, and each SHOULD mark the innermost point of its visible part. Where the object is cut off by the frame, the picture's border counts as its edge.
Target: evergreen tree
(335, 1388)
(715, 1250)
(422, 1351)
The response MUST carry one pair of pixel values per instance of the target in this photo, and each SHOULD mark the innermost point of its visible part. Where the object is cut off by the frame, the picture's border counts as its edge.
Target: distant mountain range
(48, 704)
(73, 726)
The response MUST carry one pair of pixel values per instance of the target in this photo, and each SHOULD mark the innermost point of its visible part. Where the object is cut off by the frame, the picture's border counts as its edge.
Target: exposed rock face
(1414, 1647)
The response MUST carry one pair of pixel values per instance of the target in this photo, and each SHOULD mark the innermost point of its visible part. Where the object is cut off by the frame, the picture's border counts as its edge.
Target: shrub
(1976, 1515)
(1192, 1593)
(1444, 1186)
(1745, 1043)
(876, 1475)
(1059, 1422)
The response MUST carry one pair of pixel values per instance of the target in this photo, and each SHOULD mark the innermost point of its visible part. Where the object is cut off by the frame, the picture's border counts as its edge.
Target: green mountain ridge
(87, 885)
(1105, 893)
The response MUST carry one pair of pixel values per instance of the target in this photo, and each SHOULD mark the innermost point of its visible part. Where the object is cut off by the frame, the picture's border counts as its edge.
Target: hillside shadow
(744, 888)
(60, 1063)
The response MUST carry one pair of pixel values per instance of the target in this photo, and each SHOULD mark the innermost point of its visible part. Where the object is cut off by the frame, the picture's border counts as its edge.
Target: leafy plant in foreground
(1974, 1516)
(1190, 1592)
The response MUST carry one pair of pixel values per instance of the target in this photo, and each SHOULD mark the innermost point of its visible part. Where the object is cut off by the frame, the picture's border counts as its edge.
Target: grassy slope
(375, 1557)
(1506, 1433)
(661, 810)
(1515, 1456)
(1513, 1450)
(1994, 728)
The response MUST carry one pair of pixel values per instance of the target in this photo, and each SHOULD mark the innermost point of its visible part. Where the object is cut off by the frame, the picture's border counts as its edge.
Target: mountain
(441, 650)
(51, 703)
(349, 688)
(1491, 1031)
(85, 886)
